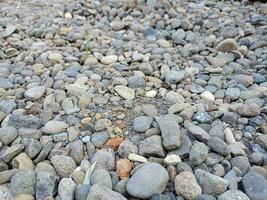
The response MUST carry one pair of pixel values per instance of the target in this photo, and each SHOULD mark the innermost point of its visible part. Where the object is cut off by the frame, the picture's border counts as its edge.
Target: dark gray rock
(104, 158)
(218, 145)
(152, 146)
(27, 121)
(46, 185)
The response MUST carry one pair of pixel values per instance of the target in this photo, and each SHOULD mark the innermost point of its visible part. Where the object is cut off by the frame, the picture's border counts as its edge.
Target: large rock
(149, 179)
(170, 131)
(218, 145)
(46, 183)
(54, 126)
(125, 92)
(23, 182)
(211, 184)
(198, 153)
(64, 165)
(142, 123)
(255, 186)
(102, 192)
(24, 121)
(186, 185)
(152, 146)
(8, 134)
(66, 189)
(105, 159)
(250, 110)
(199, 133)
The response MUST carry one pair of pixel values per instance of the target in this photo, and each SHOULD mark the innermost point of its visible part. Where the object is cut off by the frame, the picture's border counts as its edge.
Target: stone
(216, 62)
(174, 76)
(199, 153)
(5, 176)
(127, 147)
(23, 162)
(227, 45)
(232, 178)
(54, 126)
(172, 160)
(262, 140)
(242, 163)
(23, 182)
(8, 134)
(35, 92)
(82, 192)
(137, 158)
(150, 110)
(10, 152)
(249, 110)
(199, 133)
(255, 185)
(123, 168)
(205, 197)
(174, 97)
(99, 191)
(24, 121)
(152, 146)
(142, 123)
(218, 145)
(66, 189)
(233, 195)
(107, 60)
(76, 151)
(210, 183)
(149, 179)
(64, 165)
(105, 159)
(207, 96)
(186, 185)
(23, 197)
(114, 143)
(5, 193)
(170, 131)
(125, 92)
(101, 176)
(46, 183)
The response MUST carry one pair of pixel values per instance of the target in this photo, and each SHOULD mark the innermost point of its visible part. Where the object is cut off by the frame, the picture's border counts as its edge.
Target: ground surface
(161, 100)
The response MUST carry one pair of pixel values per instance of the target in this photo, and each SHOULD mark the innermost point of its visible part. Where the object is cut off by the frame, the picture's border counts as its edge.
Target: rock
(149, 179)
(23, 182)
(242, 163)
(123, 168)
(5, 193)
(10, 152)
(64, 165)
(249, 110)
(46, 183)
(205, 197)
(101, 176)
(107, 60)
(137, 158)
(82, 192)
(152, 146)
(127, 147)
(8, 134)
(98, 191)
(216, 62)
(218, 145)
(255, 185)
(174, 76)
(232, 178)
(54, 126)
(44, 152)
(23, 162)
(105, 159)
(262, 140)
(207, 96)
(199, 153)
(210, 183)
(174, 97)
(186, 185)
(7, 106)
(125, 92)
(5, 176)
(114, 143)
(66, 189)
(23, 197)
(102, 124)
(233, 195)
(227, 45)
(35, 92)
(170, 131)
(172, 160)
(76, 151)
(142, 123)
(199, 133)
(150, 110)
(24, 121)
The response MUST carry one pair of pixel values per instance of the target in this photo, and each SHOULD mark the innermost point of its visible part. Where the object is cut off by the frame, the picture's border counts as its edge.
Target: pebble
(54, 126)
(66, 189)
(125, 92)
(35, 92)
(199, 153)
(8, 134)
(233, 195)
(64, 165)
(142, 123)
(123, 168)
(227, 45)
(25, 178)
(101, 176)
(142, 186)
(104, 192)
(104, 158)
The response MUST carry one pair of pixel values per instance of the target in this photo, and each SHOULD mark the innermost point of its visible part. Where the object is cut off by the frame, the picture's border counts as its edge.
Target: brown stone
(23, 197)
(123, 168)
(249, 110)
(227, 45)
(114, 143)
(264, 128)
(23, 161)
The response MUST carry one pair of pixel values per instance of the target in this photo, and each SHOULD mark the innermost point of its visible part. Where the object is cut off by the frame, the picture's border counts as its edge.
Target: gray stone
(232, 178)
(205, 197)
(66, 189)
(242, 163)
(23, 182)
(150, 110)
(7, 106)
(35, 92)
(46, 183)
(210, 183)
(54, 126)
(9, 153)
(125, 92)
(149, 179)
(105, 159)
(64, 165)
(8, 134)
(218, 145)
(198, 154)
(76, 151)
(102, 177)
(82, 192)
(152, 146)
(170, 131)
(174, 76)
(142, 123)
(24, 121)
(127, 147)
(199, 133)
(233, 195)
(98, 191)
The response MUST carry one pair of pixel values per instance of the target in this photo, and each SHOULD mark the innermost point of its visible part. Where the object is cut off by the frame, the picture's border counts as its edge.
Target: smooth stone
(127, 147)
(233, 195)
(227, 45)
(142, 123)
(211, 184)
(54, 126)
(8, 134)
(46, 183)
(35, 92)
(218, 145)
(107, 60)
(149, 179)
(99, 191)
(249, 110)
(199, 153)
(199, 133)
(174, 76)
(125, 92)
(101, 176)
(64, 165)
(152, 146)
(104, 158)
(170, 131)
(24, 121)
(186, 185)
(66, 189)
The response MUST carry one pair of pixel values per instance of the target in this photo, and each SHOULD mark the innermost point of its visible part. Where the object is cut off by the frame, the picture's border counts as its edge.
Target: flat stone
(105, 159)
(8, 134)
(101, 191)
(249, 110)
(24, 121)
(218, 145)
(149, 179)
(54, 126)
(152, 146)
(66, 189)
(227, 45)
(142, 123)
(23, 182)
(233, 195)
(199, 133)
(170, 131)
(35, 92)
(125, 92)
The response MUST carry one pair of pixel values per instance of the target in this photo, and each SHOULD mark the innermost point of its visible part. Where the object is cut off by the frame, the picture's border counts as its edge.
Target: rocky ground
(124, 99)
